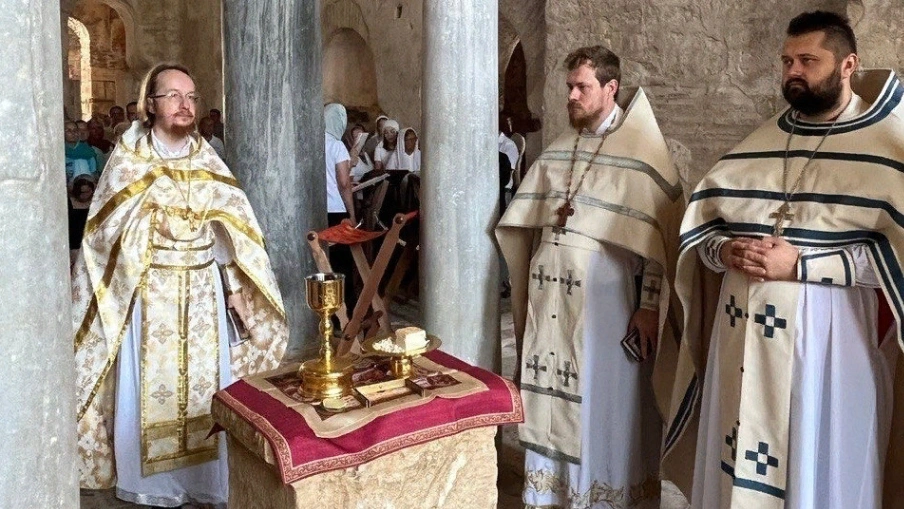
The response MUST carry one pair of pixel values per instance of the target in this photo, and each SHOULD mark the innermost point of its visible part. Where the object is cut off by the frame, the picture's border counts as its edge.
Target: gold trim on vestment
(110, 360)
(187, 460)
(183, 268)
(263, 289)
(142, 184)
(225, 217)
(182, 249)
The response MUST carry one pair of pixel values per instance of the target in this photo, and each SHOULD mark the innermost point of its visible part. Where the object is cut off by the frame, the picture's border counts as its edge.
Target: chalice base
(321, 380)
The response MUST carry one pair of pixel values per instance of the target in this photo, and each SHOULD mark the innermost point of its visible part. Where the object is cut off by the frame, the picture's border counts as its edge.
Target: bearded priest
(173, 298)
(790, 396)
(590, 240)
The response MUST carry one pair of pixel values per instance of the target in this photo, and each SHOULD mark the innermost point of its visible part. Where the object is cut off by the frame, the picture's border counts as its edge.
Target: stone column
(459, 292)
(37, 374)
(274, 129)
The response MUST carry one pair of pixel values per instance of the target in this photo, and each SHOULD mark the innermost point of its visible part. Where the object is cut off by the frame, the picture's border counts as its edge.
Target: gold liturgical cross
(781, 215)
(564, 212)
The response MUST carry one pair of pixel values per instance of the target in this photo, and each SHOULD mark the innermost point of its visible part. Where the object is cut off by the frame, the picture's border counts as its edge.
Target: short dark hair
(133, 103)
(840, 38)
(606, 64)
(214, 110)
(115, 107)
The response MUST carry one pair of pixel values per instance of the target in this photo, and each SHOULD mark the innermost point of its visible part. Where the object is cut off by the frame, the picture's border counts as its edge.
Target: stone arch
(342, 14)
(127, 15)
(349, 72)
(513, 86)
(508, 39)
(84, 65)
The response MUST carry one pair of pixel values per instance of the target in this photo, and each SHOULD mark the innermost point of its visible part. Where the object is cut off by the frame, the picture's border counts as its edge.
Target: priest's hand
(646, 321)
(767, 259)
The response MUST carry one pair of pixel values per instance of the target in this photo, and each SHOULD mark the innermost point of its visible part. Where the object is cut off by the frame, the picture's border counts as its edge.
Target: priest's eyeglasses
(177, 98)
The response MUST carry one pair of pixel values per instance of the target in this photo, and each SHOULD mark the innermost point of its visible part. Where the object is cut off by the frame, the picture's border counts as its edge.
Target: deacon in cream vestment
(588, 238)
(152, 335)
(791, 401)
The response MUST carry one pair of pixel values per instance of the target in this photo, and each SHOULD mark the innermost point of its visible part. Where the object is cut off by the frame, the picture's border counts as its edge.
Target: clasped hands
(766, 259)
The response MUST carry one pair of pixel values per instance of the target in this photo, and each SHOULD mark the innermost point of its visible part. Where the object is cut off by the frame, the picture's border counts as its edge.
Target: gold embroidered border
(546, 481)
(183, 249)
(183, 268)
(99, 292)
(111, 359)
(139, 186)
(223, 401)
(187, 460)
(182, 387)
(238, 224)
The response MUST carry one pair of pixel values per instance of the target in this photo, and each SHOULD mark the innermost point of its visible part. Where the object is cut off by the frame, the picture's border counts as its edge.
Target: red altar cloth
(299, 453)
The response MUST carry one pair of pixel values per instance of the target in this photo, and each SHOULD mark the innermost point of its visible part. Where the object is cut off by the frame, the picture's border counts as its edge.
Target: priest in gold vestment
(174, 298)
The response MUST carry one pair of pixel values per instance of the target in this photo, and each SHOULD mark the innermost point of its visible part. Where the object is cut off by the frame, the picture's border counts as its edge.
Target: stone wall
(393, 33)
(141, 34)
(711, 67)
(879, 25)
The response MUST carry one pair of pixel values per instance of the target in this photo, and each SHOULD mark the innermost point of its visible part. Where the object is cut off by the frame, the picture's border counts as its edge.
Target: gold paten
(326, 377)
(399, 362)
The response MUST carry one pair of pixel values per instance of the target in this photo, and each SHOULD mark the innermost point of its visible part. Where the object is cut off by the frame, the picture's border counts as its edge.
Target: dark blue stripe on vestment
(838, 199)
(830, 156)
(684, 413)
(884, 105)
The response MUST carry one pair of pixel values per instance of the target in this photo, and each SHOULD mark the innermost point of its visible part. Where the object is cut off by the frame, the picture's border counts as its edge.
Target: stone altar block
(436, 451)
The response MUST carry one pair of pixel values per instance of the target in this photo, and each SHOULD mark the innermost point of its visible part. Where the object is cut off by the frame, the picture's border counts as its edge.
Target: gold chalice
(326, 377)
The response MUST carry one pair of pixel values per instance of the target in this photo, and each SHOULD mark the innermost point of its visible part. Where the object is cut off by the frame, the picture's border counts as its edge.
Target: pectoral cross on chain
(781, 215)
(564, 212)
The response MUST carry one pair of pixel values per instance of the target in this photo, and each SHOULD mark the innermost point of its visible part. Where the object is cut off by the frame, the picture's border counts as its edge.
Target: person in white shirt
(385, 155)
(376, 138)
(409, 153)
(339, 200)
(206, 127)
(359, 161)
(508, 147)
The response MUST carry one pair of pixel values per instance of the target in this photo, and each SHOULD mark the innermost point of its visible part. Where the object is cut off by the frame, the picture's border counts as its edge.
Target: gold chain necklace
(783, 213)
(187, 214)
(566, 210)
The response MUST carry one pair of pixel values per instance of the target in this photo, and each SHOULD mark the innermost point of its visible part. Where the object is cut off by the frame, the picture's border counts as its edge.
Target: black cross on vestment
(567, 373)
(733, 311)
(539, 277)
(770, 321)
(762, 458)
(570, 282)
(536, 367)
(732, 441)
(652, 290)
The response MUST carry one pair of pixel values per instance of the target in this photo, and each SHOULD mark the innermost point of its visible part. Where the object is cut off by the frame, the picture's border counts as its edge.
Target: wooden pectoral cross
(781, 215)
(564, 212)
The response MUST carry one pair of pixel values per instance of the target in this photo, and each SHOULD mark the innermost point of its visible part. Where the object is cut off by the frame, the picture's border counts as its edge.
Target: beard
(579, 118)
(821, 98)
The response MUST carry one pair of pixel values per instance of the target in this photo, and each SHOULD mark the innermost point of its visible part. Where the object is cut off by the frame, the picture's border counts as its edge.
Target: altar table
(432, 452)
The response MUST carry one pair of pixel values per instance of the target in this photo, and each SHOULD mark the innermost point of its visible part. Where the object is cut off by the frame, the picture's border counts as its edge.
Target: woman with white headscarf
(339, 201)
(409, 152)
(376, 138)
(386, 156)
(338, 177)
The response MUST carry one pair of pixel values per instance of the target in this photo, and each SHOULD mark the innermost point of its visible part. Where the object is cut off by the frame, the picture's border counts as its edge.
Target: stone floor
(511, 457)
